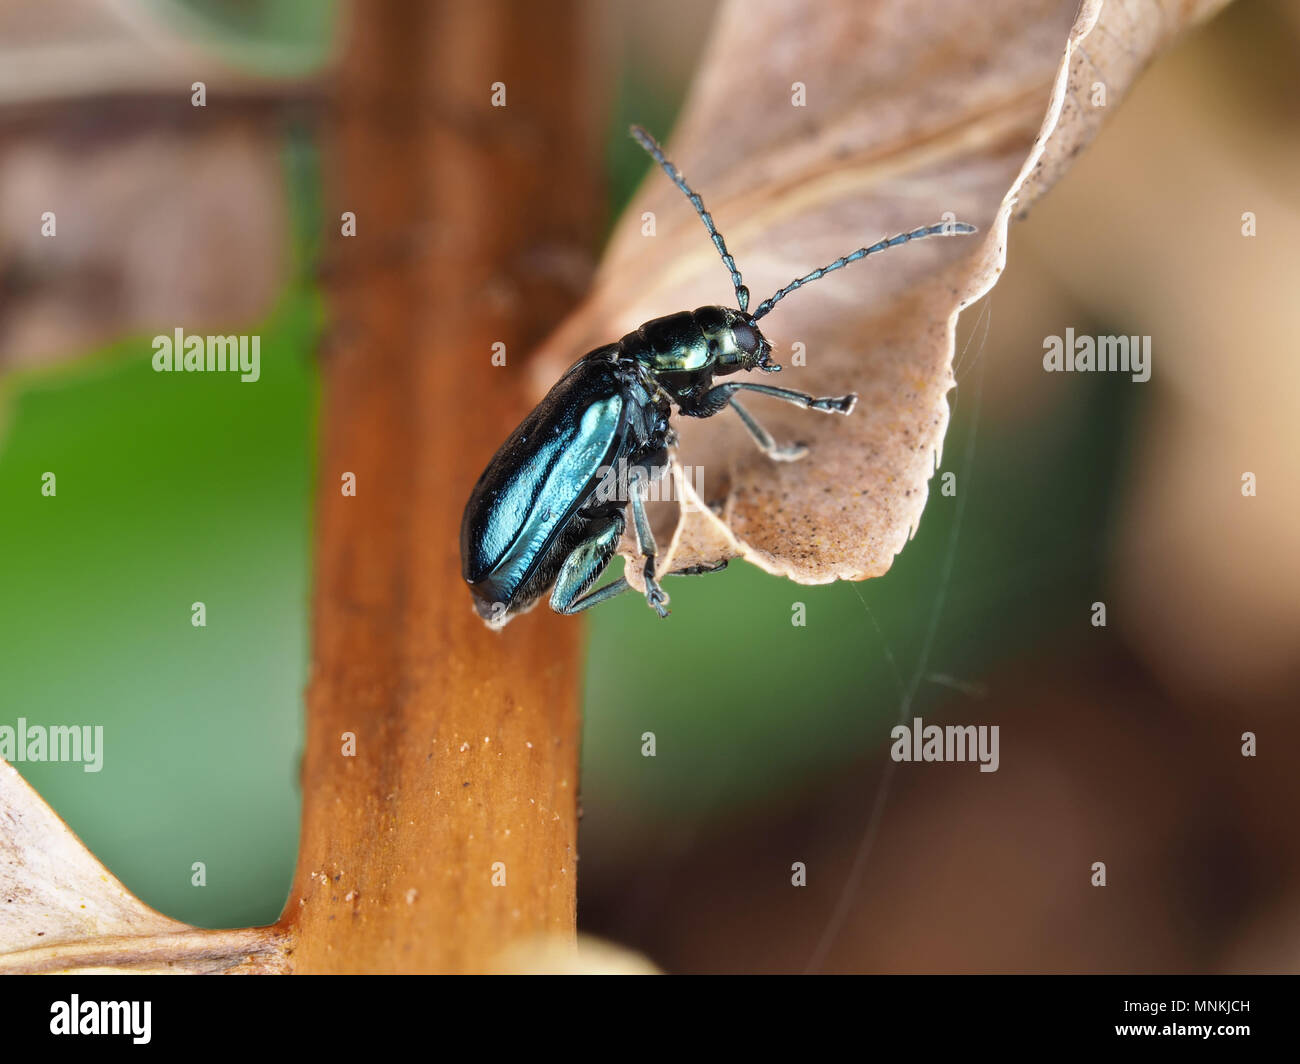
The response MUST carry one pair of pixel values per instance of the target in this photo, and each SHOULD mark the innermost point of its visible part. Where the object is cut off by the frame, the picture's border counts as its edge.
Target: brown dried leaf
(913, 110)
(62, 911)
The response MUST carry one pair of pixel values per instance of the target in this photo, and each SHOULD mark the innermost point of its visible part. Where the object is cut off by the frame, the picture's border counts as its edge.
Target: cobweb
(907, 694)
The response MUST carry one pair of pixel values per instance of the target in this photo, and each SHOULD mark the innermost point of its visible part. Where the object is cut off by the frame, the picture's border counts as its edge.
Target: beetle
(551, 507)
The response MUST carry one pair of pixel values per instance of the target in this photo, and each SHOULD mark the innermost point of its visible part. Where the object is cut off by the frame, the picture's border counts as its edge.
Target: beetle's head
(744, 346)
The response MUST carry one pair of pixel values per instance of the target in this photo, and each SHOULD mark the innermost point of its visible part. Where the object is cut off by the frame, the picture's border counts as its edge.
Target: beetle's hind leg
(638, 485)
(595, 598)
(588, 560)
(583, 567)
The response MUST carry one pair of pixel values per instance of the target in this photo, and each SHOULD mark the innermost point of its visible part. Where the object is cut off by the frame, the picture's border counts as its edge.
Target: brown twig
(465, 767)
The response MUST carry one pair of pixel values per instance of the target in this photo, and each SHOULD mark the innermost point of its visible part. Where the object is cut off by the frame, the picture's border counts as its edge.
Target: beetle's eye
(746, 337)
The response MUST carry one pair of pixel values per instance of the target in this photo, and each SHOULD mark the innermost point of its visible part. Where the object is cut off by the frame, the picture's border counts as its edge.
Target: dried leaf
(912, 111)
(62, 911)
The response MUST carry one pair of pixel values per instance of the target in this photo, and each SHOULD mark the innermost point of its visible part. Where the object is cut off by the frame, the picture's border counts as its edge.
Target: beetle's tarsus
(655, 597)
(654, 594)
(836, 404)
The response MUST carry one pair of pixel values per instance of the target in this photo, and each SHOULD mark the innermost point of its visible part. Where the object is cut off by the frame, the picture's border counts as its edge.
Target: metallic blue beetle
(549, 510)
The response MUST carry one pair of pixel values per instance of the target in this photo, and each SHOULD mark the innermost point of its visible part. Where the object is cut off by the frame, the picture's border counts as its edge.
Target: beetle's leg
(699, 570)
(645, 543)
(789, 453)
(595, 598)
(617, 587)
(583, 567)
(833, 404)
(720, 395)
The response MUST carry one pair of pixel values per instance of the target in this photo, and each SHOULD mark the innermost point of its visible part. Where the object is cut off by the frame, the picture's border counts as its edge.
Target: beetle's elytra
(542, 516)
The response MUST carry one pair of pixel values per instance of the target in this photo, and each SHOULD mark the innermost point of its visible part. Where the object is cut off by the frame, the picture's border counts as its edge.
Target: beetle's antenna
(652, 146)
(942, 229)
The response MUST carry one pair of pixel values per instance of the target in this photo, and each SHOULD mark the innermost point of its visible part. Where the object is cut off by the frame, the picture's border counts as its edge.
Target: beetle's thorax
(701, 343)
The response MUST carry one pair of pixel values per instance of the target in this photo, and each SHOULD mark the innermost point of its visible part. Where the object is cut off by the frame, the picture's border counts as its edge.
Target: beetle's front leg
(645, 542)
(717, 397)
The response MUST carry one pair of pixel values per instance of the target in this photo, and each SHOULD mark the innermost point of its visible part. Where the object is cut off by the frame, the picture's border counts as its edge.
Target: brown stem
(466, 739)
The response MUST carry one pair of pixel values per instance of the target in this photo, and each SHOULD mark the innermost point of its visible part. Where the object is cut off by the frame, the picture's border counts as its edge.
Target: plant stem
(466, 740)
